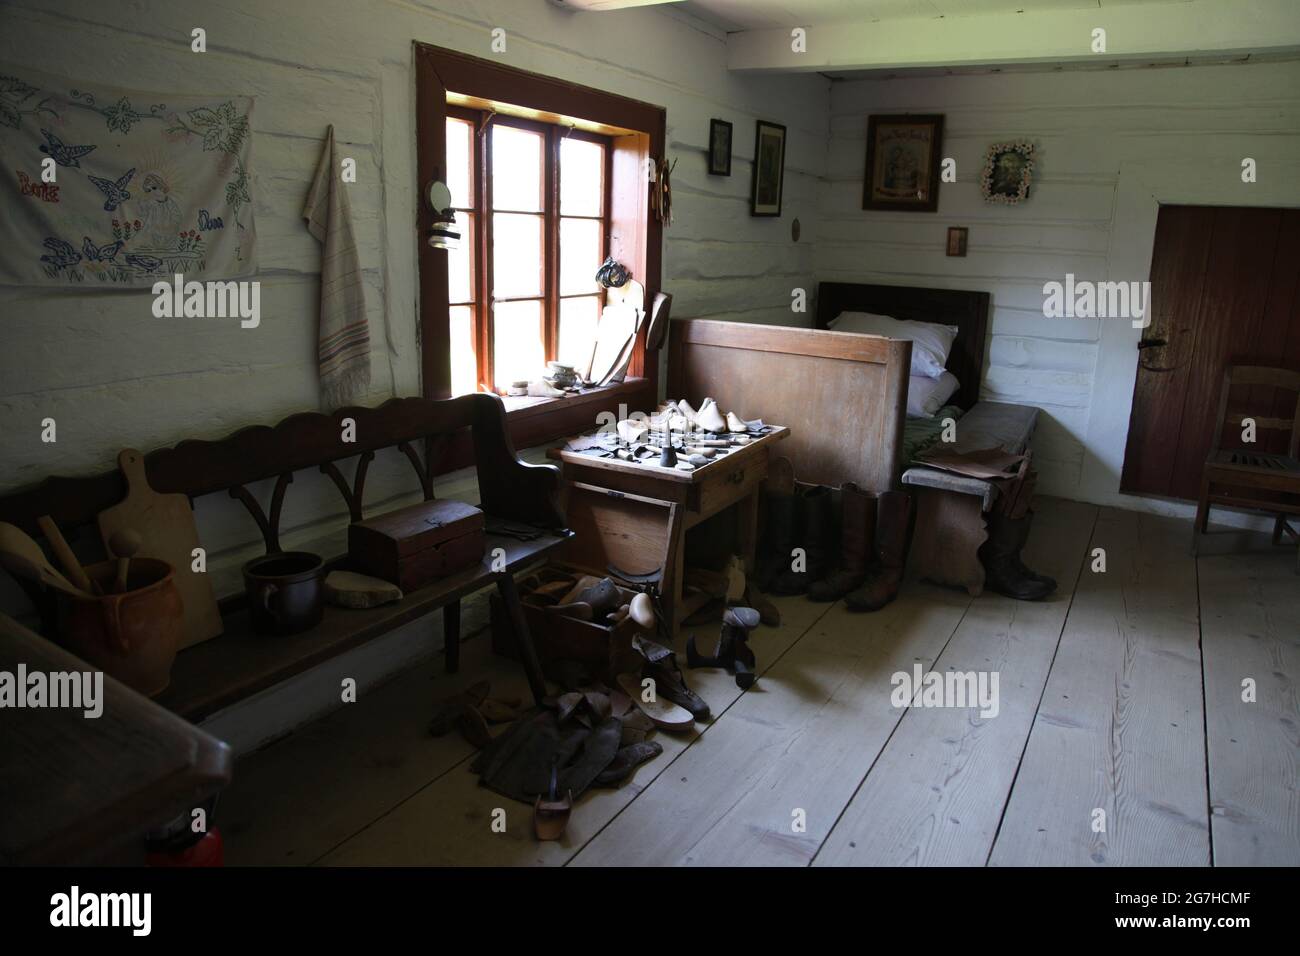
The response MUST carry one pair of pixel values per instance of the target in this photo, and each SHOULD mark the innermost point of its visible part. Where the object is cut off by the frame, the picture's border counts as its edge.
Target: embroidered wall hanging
(146, 185)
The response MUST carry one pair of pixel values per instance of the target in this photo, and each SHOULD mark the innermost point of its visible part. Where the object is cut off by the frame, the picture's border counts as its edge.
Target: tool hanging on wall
(661, 194)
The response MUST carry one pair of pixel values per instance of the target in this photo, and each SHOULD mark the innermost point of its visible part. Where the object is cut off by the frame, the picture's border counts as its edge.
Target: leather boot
(857, 540)
(817, 528)
(893, 538)
(1000, 555)
(778, 540)
(1020, 545)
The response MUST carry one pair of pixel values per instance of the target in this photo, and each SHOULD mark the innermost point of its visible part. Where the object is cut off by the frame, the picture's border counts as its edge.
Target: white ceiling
(735, 15)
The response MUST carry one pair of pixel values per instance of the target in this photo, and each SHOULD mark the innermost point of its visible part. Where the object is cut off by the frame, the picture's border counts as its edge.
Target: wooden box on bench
(416, 545)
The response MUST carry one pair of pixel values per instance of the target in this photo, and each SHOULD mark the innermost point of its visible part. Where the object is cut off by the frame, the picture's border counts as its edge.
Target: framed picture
(719, 148)
(956, 240)
(903, 163)
(769, 170)
(1008, 168)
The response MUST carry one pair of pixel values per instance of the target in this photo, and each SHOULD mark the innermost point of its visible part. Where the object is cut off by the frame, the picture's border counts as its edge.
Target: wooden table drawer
(729, 486)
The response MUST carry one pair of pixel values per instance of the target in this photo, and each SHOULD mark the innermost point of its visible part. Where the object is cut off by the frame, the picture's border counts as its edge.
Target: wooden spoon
(20, 554)
(124, 544)
(71, 566)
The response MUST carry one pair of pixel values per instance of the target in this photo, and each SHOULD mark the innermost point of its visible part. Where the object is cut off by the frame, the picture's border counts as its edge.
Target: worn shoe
(1000, 554)
(893, 537)
(671, 685)
(739, 621)
(857, 546)
(778, 540)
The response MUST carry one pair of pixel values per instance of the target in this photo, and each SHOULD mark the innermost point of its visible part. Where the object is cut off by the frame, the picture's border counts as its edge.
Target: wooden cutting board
(165, 524)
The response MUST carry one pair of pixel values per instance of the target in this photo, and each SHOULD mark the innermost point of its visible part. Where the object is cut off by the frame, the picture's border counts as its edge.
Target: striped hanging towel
(344, 335)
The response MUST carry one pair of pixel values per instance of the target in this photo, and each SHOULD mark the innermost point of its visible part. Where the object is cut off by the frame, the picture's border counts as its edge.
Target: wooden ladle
(124, 543)
(20, 554)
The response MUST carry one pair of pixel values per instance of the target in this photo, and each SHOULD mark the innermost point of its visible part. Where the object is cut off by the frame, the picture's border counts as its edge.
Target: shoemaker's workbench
(635, 515)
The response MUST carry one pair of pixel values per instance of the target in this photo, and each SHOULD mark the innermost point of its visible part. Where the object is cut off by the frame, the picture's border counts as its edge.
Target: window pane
(517, 329)
(460, 275)
(582, 177)
(464, 369)
(460, 158)
(516, 169)
(578, 330)
(580, 255)
(516, 255)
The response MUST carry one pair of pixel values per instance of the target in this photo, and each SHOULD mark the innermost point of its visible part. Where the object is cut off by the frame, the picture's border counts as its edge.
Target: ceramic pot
(132, 636)
(286, 592)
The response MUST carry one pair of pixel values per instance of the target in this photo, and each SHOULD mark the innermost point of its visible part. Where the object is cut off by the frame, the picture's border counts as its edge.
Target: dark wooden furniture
(72, 788)
(228, 668)
(968, 311)
(1224, 291)
(843, 394)
(950, 508)
(1243, 477)
(635, 516)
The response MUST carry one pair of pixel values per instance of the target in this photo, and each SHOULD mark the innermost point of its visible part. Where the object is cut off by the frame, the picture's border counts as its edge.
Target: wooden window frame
(482, 278)
(634, 236)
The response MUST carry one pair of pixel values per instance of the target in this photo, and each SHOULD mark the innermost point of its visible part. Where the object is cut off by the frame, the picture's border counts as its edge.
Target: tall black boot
(818, 533)
(1020, 544)
(778, 540)
(1000, 555)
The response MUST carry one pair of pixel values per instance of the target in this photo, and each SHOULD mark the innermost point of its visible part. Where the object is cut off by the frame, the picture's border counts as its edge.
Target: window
(532, 200)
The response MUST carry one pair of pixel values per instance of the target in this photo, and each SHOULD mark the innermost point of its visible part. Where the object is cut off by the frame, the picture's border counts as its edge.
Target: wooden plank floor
(1122, 694)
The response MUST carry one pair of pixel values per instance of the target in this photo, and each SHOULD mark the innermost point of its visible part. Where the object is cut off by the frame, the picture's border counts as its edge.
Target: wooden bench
(454, 433)
(950, 508)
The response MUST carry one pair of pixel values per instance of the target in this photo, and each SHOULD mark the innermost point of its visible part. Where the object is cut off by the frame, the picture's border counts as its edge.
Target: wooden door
(1224, 290)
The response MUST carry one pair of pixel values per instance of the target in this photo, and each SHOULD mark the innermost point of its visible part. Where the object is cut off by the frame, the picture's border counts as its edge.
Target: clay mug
(132, 636)
(286, 592)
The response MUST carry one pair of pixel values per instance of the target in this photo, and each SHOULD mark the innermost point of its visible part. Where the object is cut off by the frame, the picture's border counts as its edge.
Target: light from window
(540, 300)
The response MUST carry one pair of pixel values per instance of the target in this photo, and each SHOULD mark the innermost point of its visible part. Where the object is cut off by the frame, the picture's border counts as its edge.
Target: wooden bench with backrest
(454, 433)
(1250, 475)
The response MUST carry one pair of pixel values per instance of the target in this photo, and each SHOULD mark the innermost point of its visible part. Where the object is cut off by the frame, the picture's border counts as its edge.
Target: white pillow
(925, 396)
(931, 342)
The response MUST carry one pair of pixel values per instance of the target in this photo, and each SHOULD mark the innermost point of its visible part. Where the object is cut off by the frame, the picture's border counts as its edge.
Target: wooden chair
(1249, 479)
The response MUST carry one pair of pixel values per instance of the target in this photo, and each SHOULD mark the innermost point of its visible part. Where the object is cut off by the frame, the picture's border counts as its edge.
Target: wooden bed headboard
(843, 396)
(969, 311)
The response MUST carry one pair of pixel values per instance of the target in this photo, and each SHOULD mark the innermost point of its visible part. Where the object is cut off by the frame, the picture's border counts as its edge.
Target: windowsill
(533, 422)
(520, 407)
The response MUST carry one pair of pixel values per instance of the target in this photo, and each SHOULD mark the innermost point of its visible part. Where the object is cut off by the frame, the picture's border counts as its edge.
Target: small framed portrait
(769, 170)
(1008, 168)
(957, 240)
(903, 163)
(719, 148)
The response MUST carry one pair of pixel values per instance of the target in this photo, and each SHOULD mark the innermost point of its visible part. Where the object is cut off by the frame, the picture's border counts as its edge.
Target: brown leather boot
(857, 545)
(893, 538)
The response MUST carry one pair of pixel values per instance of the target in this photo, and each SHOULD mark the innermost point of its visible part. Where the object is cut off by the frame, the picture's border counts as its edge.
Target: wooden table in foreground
(75, 789)
(636, 516)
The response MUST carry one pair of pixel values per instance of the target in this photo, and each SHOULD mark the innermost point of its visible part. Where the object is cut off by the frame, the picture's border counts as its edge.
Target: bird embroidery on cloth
(105, 253)
(61, 253)
(142, 262)
(115, 191)
(63, 155)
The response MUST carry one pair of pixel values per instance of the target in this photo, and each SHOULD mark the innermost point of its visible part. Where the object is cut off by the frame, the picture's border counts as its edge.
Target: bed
(843, 394)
